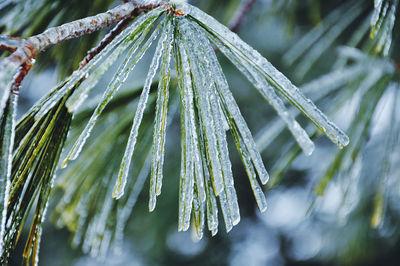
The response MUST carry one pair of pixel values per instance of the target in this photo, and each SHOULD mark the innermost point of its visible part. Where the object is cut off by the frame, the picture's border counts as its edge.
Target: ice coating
(211, 202)
(380, 11)
(165, 79)
(206, 118)
(80, 74)
(198, 217)
(330, 82)
(161, 120)
(196, 43)
(126, 161)
(81, 93)
(192, 132)
(385, 40)
(7, 71)
(267, 91)
(234, 113)
(8, 120)
(216, 71)
(112, 88)
(276, 78)
(189, 134)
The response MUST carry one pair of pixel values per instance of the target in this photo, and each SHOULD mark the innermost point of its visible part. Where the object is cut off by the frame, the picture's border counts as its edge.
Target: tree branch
(105, 41)
(25, 50)
(75, 29)
(240, 14)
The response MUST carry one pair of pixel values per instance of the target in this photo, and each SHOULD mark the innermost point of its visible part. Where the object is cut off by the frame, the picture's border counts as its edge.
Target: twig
(240, 14)
(25, 50)
(106, 40)
(75, 29)
(9, 43)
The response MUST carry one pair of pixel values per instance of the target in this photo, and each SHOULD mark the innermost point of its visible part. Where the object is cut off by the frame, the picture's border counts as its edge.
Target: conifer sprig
(208, 111)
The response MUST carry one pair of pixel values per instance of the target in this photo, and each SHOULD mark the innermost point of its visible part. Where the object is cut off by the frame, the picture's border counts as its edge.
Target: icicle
(161, 120)
(112, 88)
(126, 161)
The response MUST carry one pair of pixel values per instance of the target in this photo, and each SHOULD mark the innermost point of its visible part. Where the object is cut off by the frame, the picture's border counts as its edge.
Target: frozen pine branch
(208, 110)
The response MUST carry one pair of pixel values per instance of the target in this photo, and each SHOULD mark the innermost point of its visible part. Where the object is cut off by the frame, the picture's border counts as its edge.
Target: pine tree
(112, 139)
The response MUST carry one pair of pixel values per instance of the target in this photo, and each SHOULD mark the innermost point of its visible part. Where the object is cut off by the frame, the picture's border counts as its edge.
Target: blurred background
(353, 222)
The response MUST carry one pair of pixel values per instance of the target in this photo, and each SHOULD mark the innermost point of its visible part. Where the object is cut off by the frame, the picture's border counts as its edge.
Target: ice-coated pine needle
(268, 92)
(161, 119)
(198, 217)
(251, 173)
(195, 155)
(126, 160)
(135, 37)
(112, 88)
(331, 82)
(78, 75)
(381, 8)
(7, 131)
(204, 107)
(235, 115)
(211, 200)
(276, 78)
(199, 43)
(187, 168)
(192, 130)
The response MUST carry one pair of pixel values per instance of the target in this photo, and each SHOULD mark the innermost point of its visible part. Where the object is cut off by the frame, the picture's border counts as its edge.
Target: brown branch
(75, 29)
(8, 43)
(106, 40)
(240, 14)
(25, 50)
